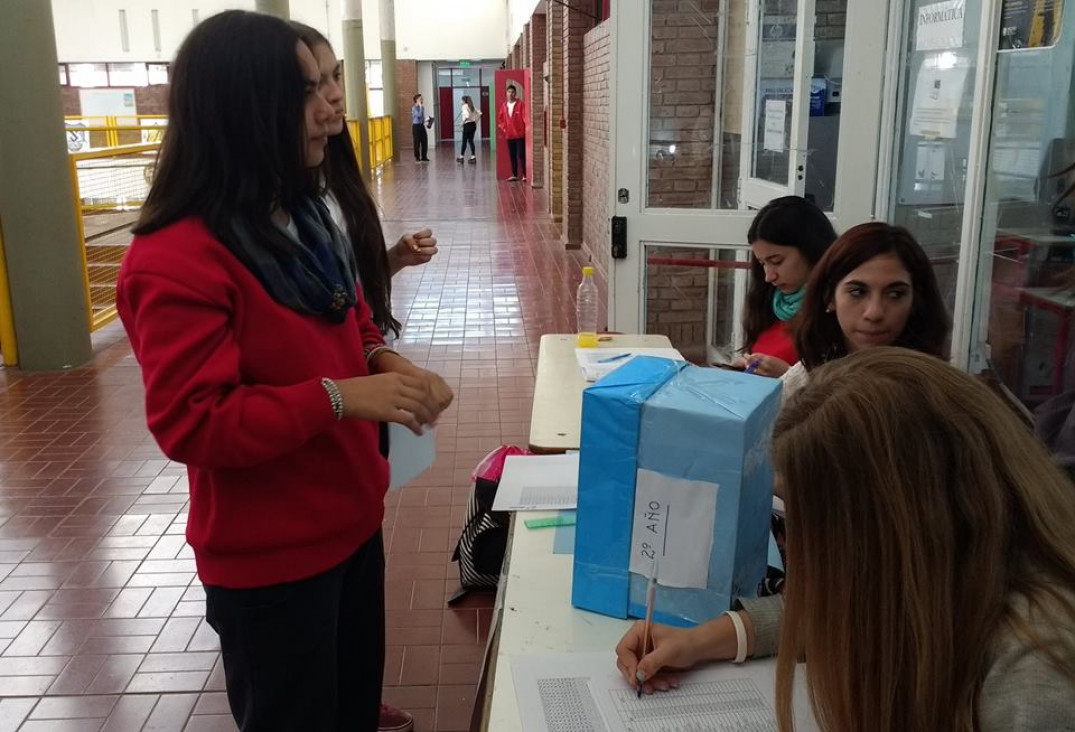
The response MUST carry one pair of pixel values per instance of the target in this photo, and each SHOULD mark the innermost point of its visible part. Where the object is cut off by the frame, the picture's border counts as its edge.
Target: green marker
(545, 523)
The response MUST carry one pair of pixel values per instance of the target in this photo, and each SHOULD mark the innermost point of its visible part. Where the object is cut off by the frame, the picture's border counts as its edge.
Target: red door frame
(447, 114)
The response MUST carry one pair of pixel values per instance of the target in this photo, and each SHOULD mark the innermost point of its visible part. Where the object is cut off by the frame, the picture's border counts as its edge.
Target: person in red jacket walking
(265, 374)
(511, 121)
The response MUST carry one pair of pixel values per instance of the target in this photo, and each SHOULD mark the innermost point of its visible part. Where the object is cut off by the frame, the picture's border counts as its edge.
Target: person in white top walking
(470, 126)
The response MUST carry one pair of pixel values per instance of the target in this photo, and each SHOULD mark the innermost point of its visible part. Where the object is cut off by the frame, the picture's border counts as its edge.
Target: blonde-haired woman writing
(931, 557)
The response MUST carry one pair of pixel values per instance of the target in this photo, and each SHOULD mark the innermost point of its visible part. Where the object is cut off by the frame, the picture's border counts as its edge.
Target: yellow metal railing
(89, 133)
(379, 137)
(109, 185)
(381, 143)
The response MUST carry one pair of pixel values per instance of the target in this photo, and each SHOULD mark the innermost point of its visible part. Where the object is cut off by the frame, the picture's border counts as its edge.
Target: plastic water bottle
(586, 310)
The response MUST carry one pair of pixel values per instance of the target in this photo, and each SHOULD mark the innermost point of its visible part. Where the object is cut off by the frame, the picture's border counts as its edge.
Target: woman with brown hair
(931, 561)
(874, 287)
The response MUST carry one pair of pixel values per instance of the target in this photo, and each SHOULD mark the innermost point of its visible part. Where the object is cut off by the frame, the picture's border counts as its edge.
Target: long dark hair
(789, 221)
(341, 176)
(234, 148)
(818, 336)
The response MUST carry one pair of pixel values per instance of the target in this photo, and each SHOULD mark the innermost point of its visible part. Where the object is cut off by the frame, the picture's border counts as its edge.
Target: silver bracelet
(377, 351)
(334, 396)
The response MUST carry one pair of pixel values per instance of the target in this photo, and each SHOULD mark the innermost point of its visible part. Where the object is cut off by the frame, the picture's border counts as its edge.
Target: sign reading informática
(939, 26)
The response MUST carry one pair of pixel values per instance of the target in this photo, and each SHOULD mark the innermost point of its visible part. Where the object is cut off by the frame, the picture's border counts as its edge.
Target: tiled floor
(101, 621)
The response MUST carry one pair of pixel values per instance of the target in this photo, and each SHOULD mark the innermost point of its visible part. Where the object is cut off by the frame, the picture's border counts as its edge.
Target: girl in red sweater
(787, 238)
(266, 376)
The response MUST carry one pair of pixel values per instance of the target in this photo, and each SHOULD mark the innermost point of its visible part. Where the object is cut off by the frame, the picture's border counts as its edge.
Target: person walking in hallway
(470, 126)
(418, 130)
(511, 120)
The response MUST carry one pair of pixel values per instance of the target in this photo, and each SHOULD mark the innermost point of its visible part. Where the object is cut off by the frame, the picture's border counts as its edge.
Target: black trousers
(309, 654)
(517, 152)
(469, 128)
(421, 142)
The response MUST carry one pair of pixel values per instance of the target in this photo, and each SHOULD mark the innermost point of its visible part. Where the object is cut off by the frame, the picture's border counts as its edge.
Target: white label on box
(673, 522)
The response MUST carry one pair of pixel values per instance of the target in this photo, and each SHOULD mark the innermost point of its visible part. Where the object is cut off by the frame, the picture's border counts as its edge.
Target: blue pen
(610, 359)
(752, 366)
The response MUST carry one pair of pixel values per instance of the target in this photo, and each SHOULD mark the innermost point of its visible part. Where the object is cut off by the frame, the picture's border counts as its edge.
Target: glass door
(1025, 301)
(777, 83)
(691, 160)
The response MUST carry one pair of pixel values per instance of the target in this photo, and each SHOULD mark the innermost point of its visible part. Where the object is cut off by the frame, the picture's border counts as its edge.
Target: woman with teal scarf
(787, 237)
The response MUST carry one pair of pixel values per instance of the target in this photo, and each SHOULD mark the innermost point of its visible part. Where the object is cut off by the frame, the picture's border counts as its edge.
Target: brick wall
(554, 19)
(676, 302)
(575, 27)
(406, 88)
(72, 105)
(596, 153)
(524, 47)
(537, 45)
(682, 84)
(830, 19)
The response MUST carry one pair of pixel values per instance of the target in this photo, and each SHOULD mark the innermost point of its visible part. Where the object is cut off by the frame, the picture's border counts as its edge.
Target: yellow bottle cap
(587, 271)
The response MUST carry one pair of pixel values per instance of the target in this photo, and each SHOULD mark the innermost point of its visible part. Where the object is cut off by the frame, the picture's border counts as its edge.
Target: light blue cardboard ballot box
(674, 474)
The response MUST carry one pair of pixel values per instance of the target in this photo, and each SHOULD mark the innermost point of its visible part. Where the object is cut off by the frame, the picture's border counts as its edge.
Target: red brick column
(574, 32)
(406, 88)
(554, 19)
(596, 153)
(538, 46)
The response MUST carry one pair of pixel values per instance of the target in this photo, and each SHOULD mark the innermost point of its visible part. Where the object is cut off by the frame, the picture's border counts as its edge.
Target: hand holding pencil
(653, 664)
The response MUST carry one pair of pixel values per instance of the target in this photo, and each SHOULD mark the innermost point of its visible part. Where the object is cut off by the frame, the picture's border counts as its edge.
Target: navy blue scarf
(318, 277)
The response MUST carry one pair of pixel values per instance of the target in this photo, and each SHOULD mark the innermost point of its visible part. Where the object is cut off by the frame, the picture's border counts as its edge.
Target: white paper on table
(408, 454)
(538, 483)
(939, 26)
(776, 113)
(937, 97)
(583, 692)
(673, 520)
(597, 363)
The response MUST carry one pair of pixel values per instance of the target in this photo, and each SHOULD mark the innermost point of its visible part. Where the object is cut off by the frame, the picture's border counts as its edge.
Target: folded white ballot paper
(408, 454)
(569, 692)
(597, 363)
(538, 483)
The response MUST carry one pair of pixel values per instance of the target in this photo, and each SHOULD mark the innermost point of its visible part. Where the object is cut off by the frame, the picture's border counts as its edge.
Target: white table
(537, 616)
(556, 420)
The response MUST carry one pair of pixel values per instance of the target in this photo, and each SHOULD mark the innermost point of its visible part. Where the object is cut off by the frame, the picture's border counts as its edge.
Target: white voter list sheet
(582, 692)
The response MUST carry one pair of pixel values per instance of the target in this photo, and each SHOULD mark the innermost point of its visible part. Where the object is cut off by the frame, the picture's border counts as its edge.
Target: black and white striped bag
(480, 551)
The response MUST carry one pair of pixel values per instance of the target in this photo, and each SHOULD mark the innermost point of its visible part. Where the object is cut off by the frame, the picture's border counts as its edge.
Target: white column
(354, 65)
(388, 65)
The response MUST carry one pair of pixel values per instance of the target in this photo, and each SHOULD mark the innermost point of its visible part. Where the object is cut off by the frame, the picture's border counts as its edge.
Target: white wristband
(740, 636)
